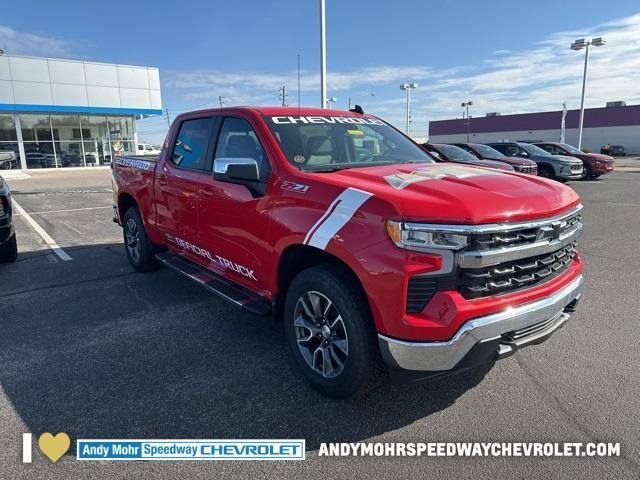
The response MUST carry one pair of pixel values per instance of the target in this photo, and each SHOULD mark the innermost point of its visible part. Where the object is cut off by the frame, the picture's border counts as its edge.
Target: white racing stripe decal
(337, 215)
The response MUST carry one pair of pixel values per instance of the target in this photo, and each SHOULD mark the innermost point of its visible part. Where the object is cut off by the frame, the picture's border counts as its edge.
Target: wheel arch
(298, 257)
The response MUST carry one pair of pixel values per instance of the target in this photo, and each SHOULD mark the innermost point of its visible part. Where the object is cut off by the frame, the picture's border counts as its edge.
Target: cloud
(538, 78)
(25, 43)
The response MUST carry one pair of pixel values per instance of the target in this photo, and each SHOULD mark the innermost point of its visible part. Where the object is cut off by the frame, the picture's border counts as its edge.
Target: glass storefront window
(35, 127)
(8, 129)
(10, 147)
(121, 128)
(39, 155)
(66, 127)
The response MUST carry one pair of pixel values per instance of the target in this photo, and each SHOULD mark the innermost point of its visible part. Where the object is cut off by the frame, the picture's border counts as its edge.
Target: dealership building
(616, 124)
(57, 113)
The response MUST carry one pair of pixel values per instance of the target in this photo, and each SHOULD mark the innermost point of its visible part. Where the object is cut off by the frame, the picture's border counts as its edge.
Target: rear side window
(190, 148)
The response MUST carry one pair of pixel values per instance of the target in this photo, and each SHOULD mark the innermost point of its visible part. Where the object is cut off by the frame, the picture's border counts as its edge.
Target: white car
(146, 149)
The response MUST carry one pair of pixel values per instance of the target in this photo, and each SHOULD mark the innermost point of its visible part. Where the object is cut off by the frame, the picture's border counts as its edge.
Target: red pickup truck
(340, 226)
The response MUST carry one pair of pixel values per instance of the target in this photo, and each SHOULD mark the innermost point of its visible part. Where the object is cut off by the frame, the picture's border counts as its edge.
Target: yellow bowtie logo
(54, 447)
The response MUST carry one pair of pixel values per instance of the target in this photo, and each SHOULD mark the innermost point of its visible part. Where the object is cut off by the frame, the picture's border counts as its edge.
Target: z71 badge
(295, 187)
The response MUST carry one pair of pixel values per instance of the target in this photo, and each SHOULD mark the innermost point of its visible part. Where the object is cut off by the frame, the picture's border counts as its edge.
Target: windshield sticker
(400, 181)
(283, 120)
(355, 133)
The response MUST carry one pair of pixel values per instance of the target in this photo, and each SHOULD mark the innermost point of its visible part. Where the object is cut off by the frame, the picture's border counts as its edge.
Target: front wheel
(140, 251)
(329, 329)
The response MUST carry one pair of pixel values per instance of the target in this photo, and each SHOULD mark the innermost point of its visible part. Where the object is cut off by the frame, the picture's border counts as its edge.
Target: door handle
(207, 192)
(162, 180)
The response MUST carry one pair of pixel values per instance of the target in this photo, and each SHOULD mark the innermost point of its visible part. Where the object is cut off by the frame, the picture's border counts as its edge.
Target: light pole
(331, 101)
(463, 105)
(323, 55)
(579, 45)
(408, 87)
(360, 96)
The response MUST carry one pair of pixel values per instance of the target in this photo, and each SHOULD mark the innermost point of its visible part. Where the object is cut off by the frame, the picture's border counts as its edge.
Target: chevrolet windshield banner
(190, 449)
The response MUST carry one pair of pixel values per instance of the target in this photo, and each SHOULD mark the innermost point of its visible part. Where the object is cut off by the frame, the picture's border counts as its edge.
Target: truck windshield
(334, 143)
(570, 148)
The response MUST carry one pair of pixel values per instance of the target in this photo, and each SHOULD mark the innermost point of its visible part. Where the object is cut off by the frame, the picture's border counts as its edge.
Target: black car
(8, 243)
(450, 153)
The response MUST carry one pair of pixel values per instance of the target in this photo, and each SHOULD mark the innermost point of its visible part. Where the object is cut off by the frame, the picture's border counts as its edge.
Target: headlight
(415, 236)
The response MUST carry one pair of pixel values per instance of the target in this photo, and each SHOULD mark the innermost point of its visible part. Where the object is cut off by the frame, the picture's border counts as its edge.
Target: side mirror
(241, 171)
(244, 169)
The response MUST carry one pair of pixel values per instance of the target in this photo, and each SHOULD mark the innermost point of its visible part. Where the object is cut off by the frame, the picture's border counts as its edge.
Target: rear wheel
(329, 329)
(9, 250)
(140, 251)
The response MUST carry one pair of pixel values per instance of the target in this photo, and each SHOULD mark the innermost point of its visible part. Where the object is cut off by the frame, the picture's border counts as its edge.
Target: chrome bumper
(445, 355)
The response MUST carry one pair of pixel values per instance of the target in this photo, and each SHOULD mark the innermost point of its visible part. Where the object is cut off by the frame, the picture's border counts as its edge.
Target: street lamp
(331, 101)
(360, 96)
(323, 55)
(463, 105)
(579, 45)
(408, 87)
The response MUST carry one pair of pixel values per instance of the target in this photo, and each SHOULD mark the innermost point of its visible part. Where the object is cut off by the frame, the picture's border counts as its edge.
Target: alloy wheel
(321, 334)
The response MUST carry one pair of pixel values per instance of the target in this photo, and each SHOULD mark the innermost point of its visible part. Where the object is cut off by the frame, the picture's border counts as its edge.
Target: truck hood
(459, 194)
(596, 156)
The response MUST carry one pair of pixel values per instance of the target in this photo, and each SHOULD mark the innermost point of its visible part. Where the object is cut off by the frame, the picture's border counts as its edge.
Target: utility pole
(220, 100)
(323, 56)
(168, 119)
(463, 105)
(298, 80)
(283, 95)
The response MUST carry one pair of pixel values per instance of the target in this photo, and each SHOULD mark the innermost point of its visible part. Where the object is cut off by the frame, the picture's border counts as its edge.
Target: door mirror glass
(238, 169)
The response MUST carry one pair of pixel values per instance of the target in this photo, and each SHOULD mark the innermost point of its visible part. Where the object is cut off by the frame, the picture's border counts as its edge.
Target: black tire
(546, 172)
(587, 173)
(9, 250)
(140, 251)
(361, 366)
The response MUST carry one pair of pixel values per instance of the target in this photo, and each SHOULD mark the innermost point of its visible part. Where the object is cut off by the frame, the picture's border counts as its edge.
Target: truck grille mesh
(511, 276)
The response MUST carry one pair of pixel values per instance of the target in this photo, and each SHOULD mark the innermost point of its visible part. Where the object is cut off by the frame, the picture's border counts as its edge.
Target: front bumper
(495, 330)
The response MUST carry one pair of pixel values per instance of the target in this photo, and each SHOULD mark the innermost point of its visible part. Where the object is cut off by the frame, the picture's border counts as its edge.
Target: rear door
(188, 160)
(233, 224)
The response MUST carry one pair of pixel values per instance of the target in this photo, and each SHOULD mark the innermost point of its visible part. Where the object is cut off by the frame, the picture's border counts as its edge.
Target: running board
(239, 296)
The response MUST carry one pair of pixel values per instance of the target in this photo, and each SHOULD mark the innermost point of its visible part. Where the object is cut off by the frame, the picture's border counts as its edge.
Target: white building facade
(57, 113)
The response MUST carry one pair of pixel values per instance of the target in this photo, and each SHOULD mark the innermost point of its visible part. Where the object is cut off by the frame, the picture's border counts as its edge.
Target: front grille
(504, 258)
(516, 335)
(494, 240)
(528, 170)
(576, 167)
(4, 206)
(510, 276)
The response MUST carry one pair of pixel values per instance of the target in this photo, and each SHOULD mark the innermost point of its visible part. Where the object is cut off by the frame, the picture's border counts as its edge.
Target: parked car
(8, 160)
(617, 151)
(556, 167)
(8, 242)
(484, 152)
(146, 149)
(595, 164)
(430, 267)
(450, 153)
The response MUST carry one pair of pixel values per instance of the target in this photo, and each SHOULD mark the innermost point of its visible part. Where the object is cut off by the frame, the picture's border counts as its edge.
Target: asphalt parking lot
(93, 349)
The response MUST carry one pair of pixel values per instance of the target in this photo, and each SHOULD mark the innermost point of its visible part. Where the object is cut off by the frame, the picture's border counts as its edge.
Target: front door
(234, 226)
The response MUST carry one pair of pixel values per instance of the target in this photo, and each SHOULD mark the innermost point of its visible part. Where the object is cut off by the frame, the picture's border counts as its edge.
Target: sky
(505, 56)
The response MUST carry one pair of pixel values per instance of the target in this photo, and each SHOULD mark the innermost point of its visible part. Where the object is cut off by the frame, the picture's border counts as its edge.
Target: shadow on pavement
(92, 349)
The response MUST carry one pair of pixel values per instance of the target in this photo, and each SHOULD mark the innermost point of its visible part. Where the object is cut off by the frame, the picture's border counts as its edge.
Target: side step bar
(239, 296)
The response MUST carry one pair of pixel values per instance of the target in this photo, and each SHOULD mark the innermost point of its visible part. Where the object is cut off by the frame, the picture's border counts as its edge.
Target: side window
(190, 149)
(140, 147)
(238, 140)
(552, 149)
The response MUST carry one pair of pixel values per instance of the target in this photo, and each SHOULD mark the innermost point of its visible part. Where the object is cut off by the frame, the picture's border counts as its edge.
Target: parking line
(51, 243)
(71, 210)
